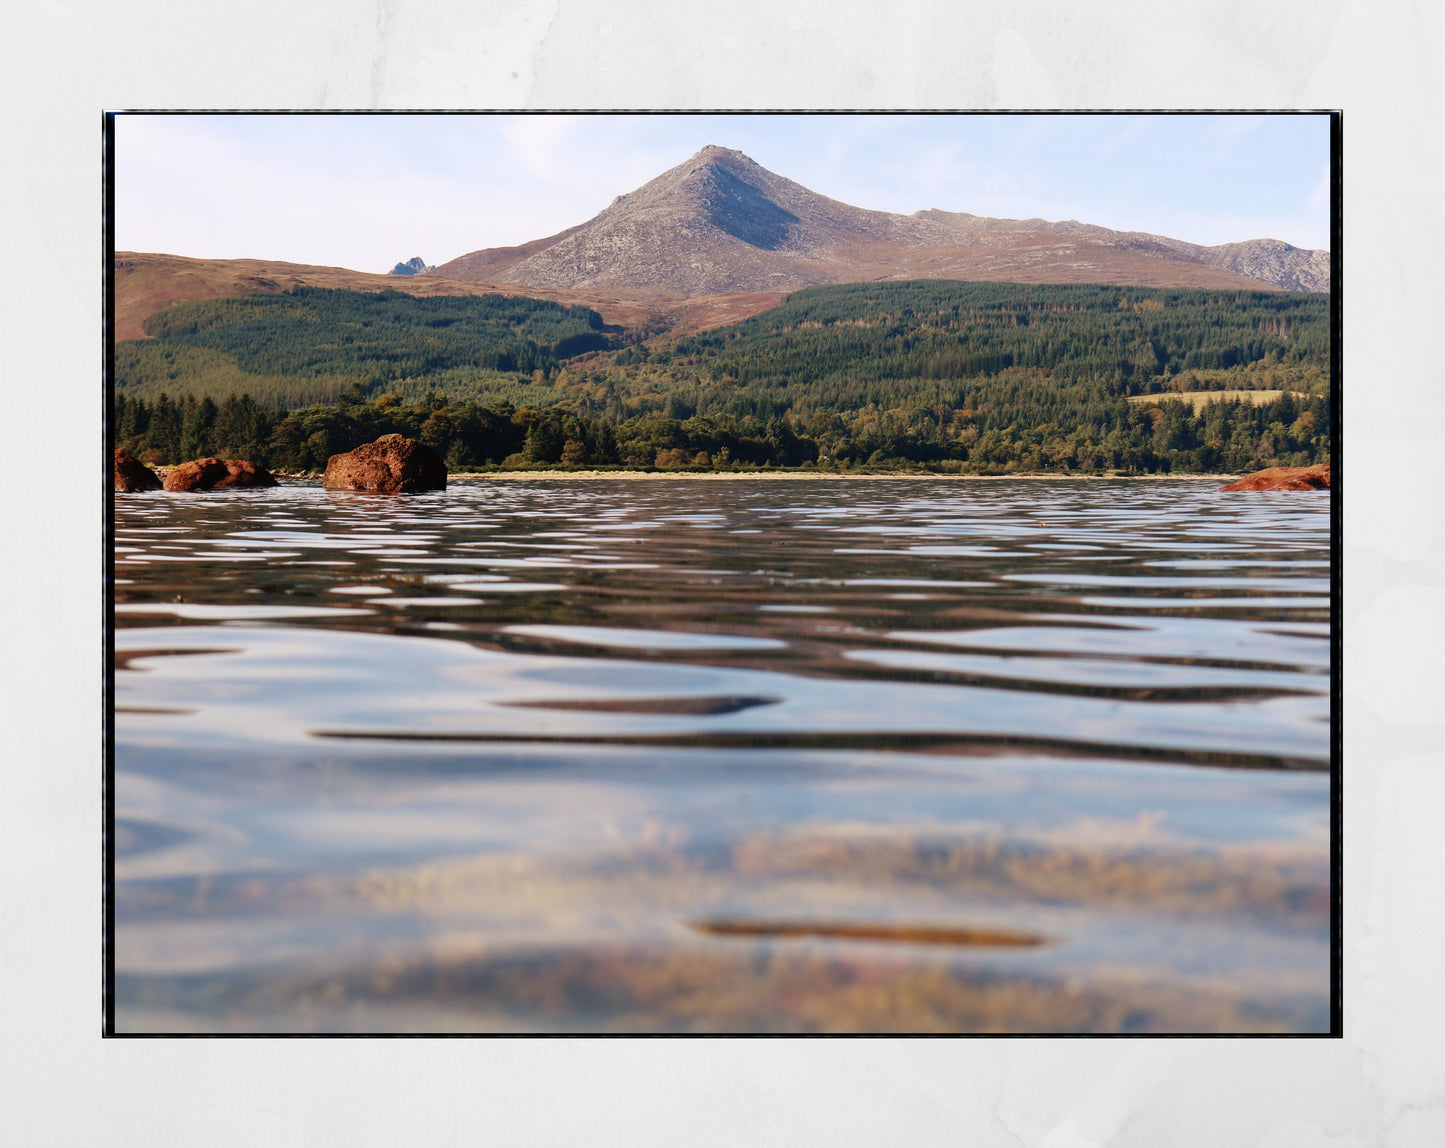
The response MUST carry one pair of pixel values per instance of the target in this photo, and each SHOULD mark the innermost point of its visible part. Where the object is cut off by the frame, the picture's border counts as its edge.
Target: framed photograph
(723, 574)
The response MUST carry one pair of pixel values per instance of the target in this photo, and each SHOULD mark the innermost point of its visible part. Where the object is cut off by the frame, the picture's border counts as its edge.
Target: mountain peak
(711, 163)
(715, 151)
(723, 157)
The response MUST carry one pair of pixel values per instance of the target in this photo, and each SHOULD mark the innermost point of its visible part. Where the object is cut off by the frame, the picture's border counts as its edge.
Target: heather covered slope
(147, 283)
(722, 223)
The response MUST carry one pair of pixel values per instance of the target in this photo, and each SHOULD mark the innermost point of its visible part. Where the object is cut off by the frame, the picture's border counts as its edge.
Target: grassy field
(1200, 399)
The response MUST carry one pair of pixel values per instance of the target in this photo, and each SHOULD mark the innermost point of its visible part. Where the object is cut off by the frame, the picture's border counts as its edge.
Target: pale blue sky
(367, 191)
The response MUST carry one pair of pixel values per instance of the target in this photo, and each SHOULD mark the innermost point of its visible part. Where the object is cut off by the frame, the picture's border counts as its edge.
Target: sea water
(738, 755)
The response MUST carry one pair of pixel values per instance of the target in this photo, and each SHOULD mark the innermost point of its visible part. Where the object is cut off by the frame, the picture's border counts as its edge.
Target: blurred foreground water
(711, 756)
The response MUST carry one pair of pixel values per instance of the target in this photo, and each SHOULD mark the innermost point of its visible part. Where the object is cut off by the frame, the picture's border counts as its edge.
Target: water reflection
(1032, 757)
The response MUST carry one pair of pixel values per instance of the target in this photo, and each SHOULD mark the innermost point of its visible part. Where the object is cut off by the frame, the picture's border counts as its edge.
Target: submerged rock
(132, 475)
(1285, 478)
(393, 464)
(216, 474)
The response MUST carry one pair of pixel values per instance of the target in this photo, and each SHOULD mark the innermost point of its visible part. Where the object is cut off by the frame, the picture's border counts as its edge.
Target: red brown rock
(198, 474)
(216, 474)
(1285, 478)
(392, 464)
(240, 472)
(132, 475)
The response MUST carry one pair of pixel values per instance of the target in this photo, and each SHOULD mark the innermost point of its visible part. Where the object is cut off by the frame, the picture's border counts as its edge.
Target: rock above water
(393, 464)
(217, 474)
(132, 475)
(241, 472)
(1285, 478)
(198, 474)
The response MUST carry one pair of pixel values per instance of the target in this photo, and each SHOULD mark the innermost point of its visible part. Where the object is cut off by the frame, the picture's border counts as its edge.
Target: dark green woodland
(990, 378)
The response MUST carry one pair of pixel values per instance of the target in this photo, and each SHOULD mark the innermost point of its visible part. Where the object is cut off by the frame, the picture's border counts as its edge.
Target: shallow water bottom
(605, 889)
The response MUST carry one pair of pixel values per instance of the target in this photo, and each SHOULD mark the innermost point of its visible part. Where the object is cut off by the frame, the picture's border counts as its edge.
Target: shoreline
(785, 476)
(804, 476)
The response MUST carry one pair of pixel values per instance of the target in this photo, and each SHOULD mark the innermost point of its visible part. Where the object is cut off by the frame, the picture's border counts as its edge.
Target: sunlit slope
(147, 283)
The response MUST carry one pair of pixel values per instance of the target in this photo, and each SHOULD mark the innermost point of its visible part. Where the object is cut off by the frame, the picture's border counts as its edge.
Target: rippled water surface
(736, 755)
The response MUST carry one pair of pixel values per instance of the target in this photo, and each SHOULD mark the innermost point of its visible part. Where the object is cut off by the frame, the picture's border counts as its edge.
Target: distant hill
(146, 283)
(722, 223)
(416, 265)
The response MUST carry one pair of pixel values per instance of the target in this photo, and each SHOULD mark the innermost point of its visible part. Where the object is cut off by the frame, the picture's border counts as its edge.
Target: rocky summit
(721, 222)
(416, 265)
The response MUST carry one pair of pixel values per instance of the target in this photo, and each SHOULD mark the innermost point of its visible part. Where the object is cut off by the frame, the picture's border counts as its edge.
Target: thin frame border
(1336, 117)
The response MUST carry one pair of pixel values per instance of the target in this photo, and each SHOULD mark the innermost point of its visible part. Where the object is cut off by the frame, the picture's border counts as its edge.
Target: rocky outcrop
(1285, 478)
(216, 474)
(393, 464)
(416, 265)
(1272, 261)
(132, 475)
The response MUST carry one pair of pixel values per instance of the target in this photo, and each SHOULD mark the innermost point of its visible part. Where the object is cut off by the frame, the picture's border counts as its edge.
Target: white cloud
(539, 142)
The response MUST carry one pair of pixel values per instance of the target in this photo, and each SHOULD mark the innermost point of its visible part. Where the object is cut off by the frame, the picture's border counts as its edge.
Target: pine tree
(198, 423)
(163, 436)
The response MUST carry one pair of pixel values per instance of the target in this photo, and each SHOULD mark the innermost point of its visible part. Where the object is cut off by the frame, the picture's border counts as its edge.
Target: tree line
(1125, 437)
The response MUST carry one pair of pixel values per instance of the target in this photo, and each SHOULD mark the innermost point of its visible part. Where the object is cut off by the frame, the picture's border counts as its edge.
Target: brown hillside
(721, 223)
(147, 283)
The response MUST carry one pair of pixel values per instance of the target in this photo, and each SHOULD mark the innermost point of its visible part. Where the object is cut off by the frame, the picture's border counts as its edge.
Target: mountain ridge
(721, 222)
